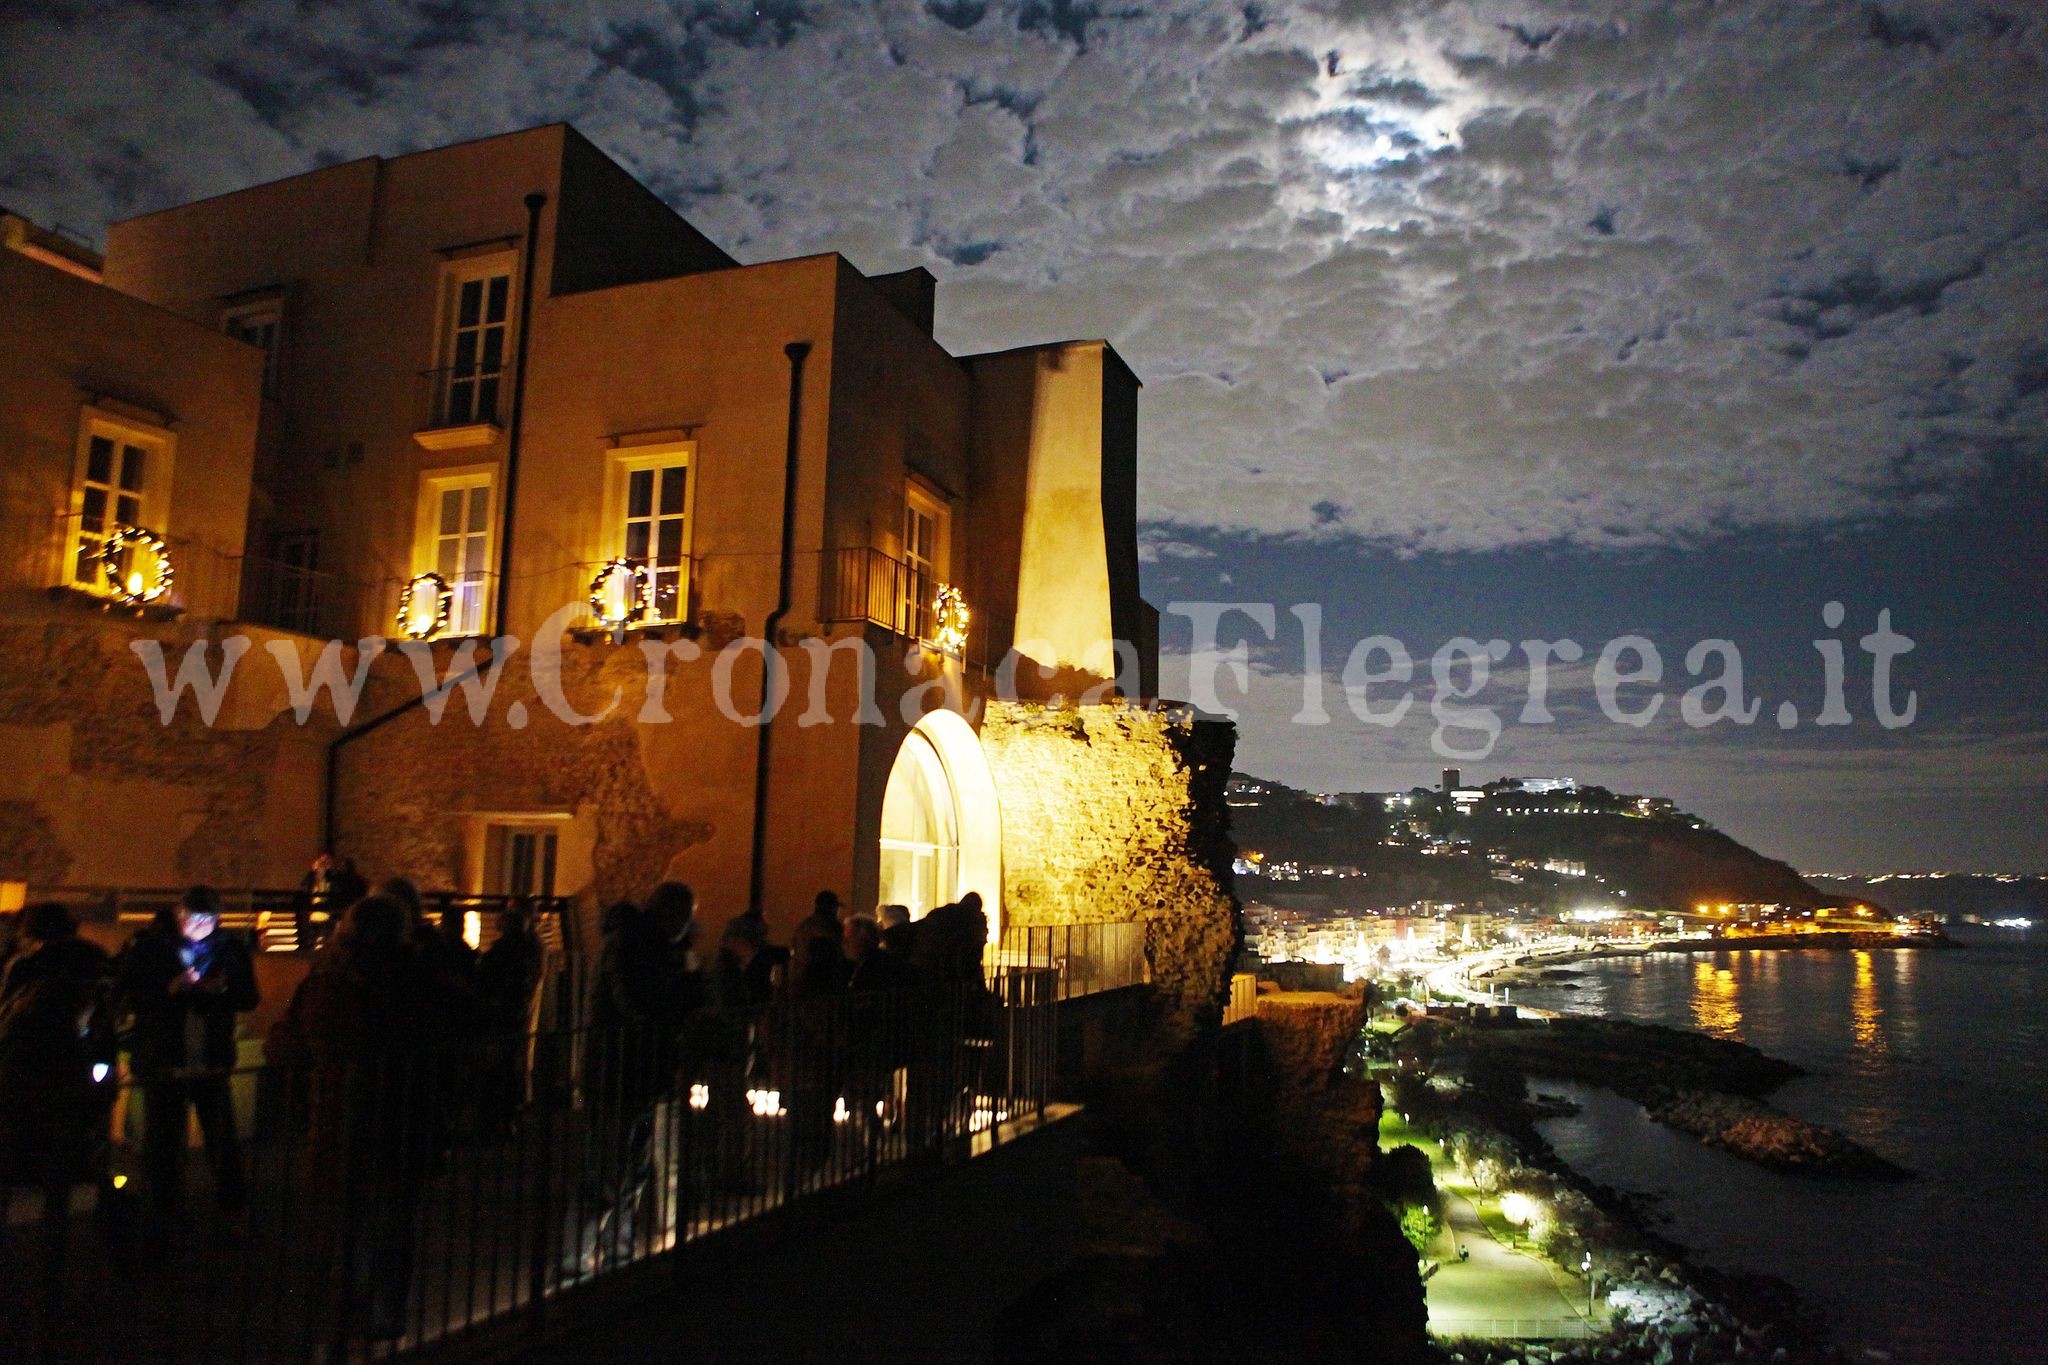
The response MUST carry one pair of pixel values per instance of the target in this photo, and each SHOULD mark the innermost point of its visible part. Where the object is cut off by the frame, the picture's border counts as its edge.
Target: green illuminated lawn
(1395, 1130)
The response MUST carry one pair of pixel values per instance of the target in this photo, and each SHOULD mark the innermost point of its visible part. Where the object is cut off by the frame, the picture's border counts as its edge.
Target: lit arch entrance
(941, 825)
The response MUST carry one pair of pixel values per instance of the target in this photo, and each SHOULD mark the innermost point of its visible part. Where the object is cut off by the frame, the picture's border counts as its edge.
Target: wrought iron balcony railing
(457, 396)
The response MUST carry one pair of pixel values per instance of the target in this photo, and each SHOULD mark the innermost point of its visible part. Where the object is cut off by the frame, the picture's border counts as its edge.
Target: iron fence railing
(280, 920)
(405, 1193)
(1511, 1329)
(1086, 959)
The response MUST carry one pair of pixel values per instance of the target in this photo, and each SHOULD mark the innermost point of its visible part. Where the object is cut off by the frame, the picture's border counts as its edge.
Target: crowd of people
(402, 1041)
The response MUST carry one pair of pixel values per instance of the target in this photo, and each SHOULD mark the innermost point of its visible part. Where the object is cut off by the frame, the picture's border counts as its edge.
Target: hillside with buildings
(1527, 846)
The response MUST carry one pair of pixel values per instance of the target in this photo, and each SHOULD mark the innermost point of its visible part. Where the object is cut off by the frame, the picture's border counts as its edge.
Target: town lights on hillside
(949, 620)
(621, 593)
(425, 605)
(120, 554)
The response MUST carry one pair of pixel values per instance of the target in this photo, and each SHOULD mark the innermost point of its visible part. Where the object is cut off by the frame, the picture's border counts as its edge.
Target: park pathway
(1499, 1292)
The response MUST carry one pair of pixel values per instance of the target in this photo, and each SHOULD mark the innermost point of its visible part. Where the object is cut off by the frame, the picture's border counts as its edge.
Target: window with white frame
(454, 541)
(123, 478)
(651, 501)
(924, 553)
(476, 321)
(260, 325)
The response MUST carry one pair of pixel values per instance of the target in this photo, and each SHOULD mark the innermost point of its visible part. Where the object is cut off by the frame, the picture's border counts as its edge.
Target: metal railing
(1512, 1329)
(1086, 958)
(294, 920)
(401, 1195)
(461, 396)
(863, 584)
(308, 601)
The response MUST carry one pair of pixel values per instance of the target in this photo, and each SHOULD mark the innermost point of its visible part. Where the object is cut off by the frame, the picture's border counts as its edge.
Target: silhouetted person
(455, 1018)
(508, 982)
(956, 1017)
(332, 886)
(743, 981)
(54, 1100)
(898, 930)
(817, 961)
(641, 1001)
(10, 939)
(879, 1008)
(181, 983)
(869, 965)
(950, 942)
(358, 1024)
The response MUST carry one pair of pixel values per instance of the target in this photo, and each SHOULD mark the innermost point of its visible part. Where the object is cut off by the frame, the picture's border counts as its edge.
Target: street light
(1518, 1209)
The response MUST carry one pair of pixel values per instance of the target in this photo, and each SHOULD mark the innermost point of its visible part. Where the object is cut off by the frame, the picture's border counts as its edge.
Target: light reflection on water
(1715, 1000)
(1938, 1060)
(1866, 1016)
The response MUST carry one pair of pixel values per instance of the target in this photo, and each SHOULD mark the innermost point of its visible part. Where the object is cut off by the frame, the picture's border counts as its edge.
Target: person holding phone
(181, 984)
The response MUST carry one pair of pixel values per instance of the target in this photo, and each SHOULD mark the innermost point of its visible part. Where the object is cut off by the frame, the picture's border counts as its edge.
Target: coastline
(1711, 1089)
(1678, 1308)
(1766, 1312)
(1852, 941)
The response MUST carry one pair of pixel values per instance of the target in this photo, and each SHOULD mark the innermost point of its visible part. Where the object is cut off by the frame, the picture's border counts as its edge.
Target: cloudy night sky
(1490, 319)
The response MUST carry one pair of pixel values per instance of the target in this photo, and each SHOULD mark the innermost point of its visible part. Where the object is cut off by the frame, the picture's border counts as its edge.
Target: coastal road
(1499, 1292)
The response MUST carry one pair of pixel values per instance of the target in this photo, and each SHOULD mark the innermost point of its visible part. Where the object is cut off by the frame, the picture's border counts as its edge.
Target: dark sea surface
(1936, 1059)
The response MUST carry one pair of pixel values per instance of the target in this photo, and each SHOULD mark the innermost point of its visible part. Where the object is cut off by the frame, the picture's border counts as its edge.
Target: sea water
(1937, 1059)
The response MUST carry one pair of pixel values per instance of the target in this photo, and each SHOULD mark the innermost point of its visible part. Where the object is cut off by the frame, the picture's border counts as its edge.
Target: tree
(1403, 1176)
(1420, 1226)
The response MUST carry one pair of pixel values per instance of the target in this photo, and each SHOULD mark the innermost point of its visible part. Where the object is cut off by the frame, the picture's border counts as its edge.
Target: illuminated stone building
(460, 384)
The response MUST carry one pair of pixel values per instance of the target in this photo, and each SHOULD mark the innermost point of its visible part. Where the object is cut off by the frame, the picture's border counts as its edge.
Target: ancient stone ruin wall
(407, 789)
(1115, 812)
(95, 789)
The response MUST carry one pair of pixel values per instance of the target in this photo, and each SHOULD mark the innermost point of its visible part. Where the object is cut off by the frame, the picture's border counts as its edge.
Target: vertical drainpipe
(770, 660)
(331, 784)
(535, 202)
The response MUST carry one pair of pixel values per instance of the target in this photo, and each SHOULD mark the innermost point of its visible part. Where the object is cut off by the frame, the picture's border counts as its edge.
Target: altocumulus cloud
(1439, 276)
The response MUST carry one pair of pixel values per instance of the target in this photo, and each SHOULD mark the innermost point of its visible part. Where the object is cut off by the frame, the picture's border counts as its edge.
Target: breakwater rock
(1769, 1137)
(1710, 1088)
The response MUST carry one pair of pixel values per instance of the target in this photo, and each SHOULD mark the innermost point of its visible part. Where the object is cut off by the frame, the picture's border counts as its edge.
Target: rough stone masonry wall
(407, 788)
(1115, 812)
(97, 788)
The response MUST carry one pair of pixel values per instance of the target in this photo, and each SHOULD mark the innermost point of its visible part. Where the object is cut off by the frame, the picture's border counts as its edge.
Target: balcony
(294, 597)
(861, 584)
(460, 406)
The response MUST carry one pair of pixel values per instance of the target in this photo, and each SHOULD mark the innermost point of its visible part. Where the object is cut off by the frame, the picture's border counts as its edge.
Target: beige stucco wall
(1054, 439)
(358, 250)
(66, 343)
(698, 358)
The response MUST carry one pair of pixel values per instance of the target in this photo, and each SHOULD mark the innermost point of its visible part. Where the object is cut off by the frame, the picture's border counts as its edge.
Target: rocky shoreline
(1670, 1311)
(1679, 1312)
(1709, 1088)
(1769, 1137)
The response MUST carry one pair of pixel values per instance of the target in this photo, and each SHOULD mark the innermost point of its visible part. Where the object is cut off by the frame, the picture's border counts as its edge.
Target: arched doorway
(941, 825)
